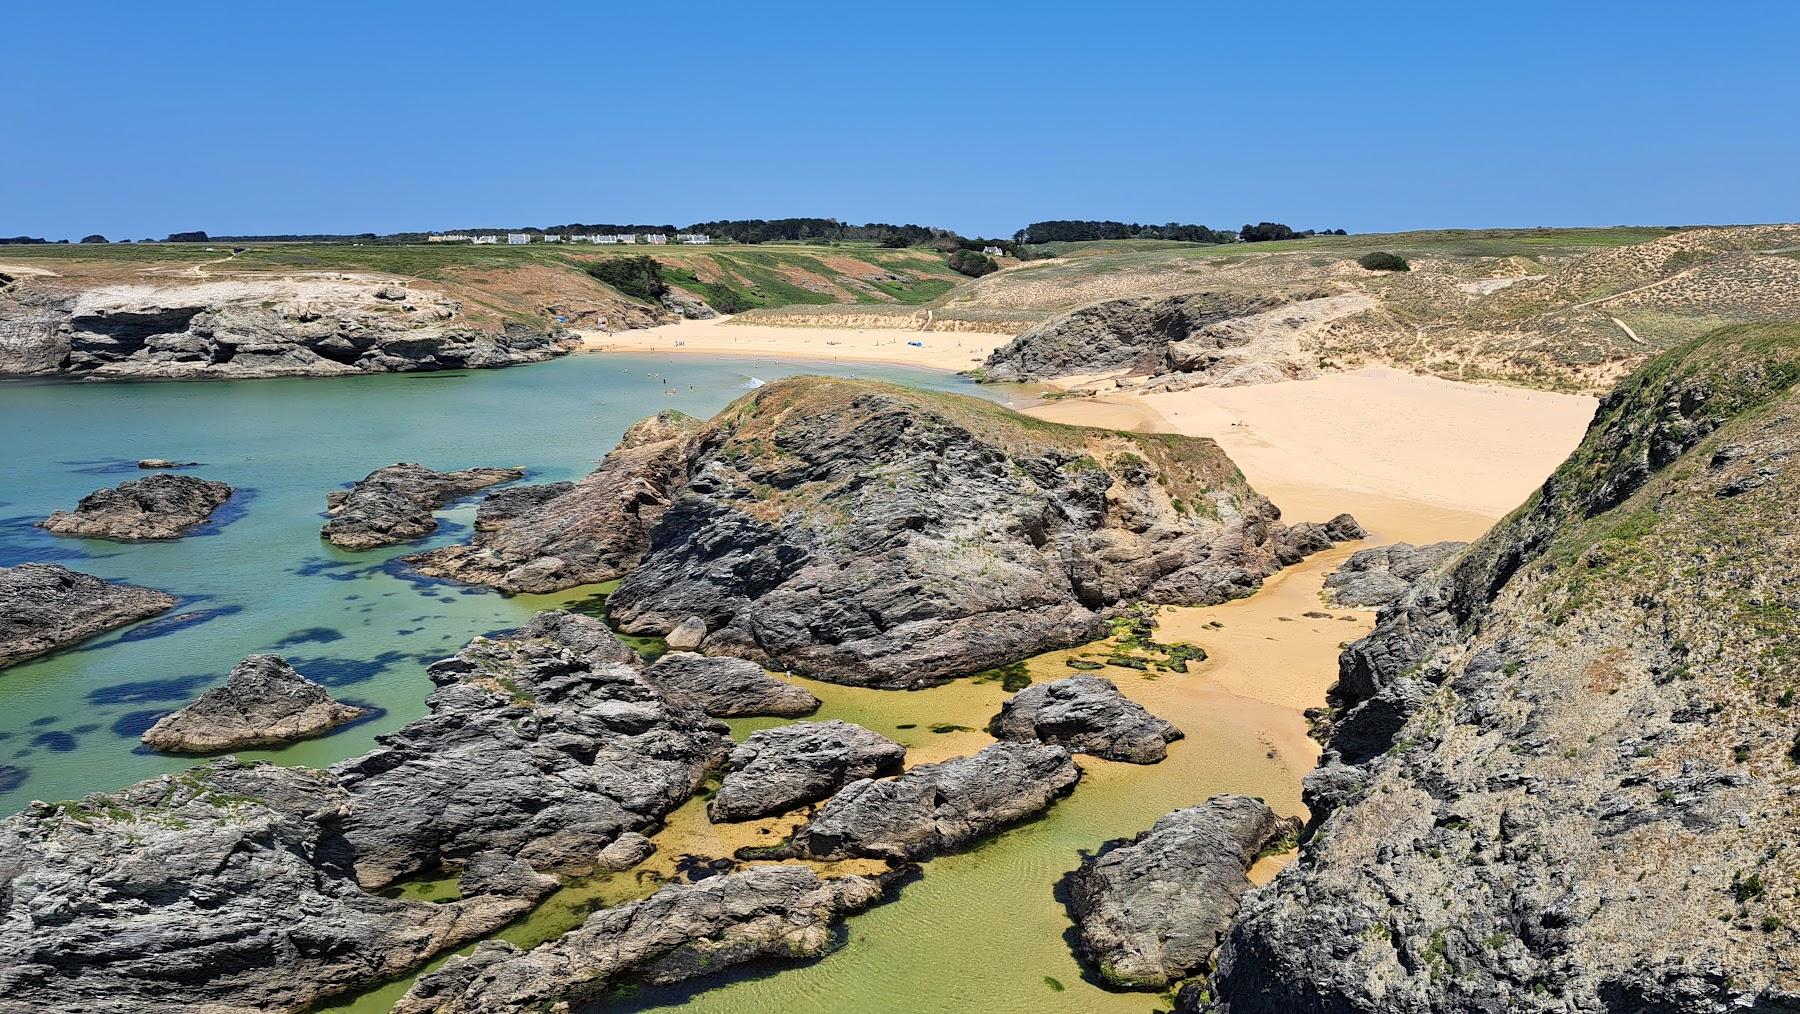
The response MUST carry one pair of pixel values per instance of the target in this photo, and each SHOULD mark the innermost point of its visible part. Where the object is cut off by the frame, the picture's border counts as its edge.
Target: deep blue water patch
(339, 672)
(371, 713)
(336, 570)
(22, 752)
(61, 742)
(39, 723)
(233, 509)
(133, 724)
(21, 541)
(163, 626)
(82, 730)
(102, 466)
(311, 635)
(12, 776)
(147, 691)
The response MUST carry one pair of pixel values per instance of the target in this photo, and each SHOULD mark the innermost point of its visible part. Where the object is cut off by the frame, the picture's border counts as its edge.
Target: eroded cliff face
(1561, 773)
(313, 326)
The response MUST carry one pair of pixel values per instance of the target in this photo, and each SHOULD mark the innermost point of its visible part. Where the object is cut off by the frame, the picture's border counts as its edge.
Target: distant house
(656, 238)
(448, 237)
(993, 251)
(485, 239)
(548, 238)
(518, 238)
(627, 238)
(692, 237)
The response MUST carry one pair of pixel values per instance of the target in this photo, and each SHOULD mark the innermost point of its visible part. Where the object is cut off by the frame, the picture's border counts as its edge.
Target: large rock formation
(727, 687)
(44, 607)
(1087, 714)
(206, 891)
(937, 808)
(873, 534)
(394, 503)
(1560, 774)
(682, 932)
(539, 745)
(1151, 910)
(779, 769)
(155, 507)
(264, 702)
(554, 536)
(314, 326)
(1379, 575)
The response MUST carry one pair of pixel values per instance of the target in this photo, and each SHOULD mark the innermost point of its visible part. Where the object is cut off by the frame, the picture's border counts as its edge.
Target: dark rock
(727, 687)
(394, 504)
(1087, 714)
(44, 607)
(263, 703)
(1150, 911)
(1377, 576)
(682, 932)
(155, 507)
(937, 808)
(779, 769)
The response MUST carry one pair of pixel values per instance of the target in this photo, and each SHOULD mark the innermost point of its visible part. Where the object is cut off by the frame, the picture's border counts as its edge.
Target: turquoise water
(257, 577)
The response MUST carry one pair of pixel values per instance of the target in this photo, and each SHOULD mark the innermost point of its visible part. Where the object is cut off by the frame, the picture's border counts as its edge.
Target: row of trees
(1083, 231)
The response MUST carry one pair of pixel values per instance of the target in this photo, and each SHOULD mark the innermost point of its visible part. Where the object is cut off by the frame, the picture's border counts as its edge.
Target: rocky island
(394, 504)
(44, 607)
(264, 702)
(156, 507)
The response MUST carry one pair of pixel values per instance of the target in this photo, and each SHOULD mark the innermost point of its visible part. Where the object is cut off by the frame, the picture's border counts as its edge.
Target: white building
(692, 237)
(518, 238)
(657, 238)
(448, 237)
(548, 238)
(478, 240)
(993, 251)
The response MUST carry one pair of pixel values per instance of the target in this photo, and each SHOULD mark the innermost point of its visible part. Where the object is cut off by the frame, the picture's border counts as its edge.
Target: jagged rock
(1558, 774)
(1151, 910)
(276, 326)
(876, 535)
(1087, 714)
(727, 687)
(687, 634)
(681, 932)
(1377, 576)
(937, 808)
(547, 538)
(264, 702)
(394, 504)
(205, 891)
(154, 507)
(44, 607)
(779, 769)
(538, 745)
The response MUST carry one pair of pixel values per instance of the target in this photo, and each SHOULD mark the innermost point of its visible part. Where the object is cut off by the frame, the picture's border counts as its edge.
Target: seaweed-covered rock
(937, 808)
(1377, 576)
(44, 607)
(264, 702)
(394, 503)
(778, 769)
(682, 932)
(1087, 714)
(154, 507)
(727, 687)
(1150, 911)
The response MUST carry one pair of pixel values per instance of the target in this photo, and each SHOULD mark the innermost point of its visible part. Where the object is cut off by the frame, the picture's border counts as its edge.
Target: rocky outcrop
(789, 766)
(1087, 714)
(155, 507)
(877, 535)
(1560, 772)
(394, 503)
(938, 808)
(206, 891)
(1262, 348)
(547, 538)
(682, 932)
(264, 702)
(44, 607)
(727, 687)
(1379, 575)
(538, 745)
(1150, 911)
(313, 326)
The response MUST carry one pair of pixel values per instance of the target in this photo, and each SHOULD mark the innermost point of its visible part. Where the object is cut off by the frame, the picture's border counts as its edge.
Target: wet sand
(952, 351)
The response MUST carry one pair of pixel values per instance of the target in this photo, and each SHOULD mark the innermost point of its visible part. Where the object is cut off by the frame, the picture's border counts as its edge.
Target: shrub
(637, 277)
(973, 264)
(95, 238)
(1381, 260)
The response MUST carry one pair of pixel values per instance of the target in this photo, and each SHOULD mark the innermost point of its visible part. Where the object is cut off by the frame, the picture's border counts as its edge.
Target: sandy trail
(950, 351)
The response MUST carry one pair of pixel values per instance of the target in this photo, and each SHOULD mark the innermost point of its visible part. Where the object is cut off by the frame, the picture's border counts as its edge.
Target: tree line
(1085, 231)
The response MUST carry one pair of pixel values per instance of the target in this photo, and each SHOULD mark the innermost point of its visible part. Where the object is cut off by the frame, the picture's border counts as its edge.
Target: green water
(981, 931)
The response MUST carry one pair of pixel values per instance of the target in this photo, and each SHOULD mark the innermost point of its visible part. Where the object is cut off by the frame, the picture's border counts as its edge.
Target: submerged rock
(1087, 714)
(264, 702)
(547, 538)
(1151, 911)
(205, 891)
(164, 463)
(44, 607)
(779, 769)
(395, 503)
(937, 808)
(727, 687)
(155, 507)
(682, 932)
(1379, 575)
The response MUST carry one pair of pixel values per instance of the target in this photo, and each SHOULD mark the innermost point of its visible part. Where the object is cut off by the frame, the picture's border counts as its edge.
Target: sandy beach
(952, 351)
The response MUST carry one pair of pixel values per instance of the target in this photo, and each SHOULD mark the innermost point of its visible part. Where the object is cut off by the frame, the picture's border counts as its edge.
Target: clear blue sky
(138, 119)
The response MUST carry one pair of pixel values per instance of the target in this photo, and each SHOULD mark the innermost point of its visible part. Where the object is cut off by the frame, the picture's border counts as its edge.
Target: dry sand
(936, 350)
